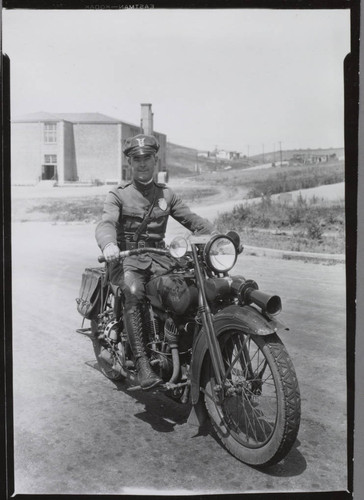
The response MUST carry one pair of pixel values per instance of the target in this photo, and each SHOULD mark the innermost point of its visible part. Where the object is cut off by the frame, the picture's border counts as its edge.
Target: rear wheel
(108, 355)
(257, 413)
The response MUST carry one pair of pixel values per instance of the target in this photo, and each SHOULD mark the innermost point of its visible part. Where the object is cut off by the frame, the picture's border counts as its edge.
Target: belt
(131, 245)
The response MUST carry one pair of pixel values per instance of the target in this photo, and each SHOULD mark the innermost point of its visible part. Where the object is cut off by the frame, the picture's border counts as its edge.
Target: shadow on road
(163, 414)
(294, 464)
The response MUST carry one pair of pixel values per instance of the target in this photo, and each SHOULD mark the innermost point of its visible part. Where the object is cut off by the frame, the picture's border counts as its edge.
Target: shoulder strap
(145, 221)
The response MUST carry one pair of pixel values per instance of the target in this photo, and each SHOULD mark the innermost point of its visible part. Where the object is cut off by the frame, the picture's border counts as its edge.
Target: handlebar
(137, 251)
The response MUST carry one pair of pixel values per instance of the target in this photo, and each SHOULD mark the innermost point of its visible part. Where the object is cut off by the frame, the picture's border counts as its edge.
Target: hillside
(183, 161)
(289, 153)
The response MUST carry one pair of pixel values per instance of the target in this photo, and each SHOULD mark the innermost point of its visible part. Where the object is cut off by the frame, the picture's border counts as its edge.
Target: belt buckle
(141, 244)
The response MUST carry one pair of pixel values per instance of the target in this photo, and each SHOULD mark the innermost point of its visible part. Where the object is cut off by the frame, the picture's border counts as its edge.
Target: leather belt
(131, 245)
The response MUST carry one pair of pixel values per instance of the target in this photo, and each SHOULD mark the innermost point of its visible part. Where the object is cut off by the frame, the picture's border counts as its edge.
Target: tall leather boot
(134, 327)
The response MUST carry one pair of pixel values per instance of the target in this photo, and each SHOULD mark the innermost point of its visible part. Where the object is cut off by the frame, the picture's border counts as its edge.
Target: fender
(246, 318)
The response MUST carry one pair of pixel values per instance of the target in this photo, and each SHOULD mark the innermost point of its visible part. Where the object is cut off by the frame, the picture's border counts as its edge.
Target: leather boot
(134, 327)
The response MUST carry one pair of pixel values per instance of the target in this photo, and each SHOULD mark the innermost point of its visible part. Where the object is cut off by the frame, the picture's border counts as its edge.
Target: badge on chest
(162, 204)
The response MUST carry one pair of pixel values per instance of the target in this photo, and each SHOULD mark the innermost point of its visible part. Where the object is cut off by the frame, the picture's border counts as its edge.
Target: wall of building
(84, 151)
(54, 148)
(97, 151)
(26, 152)
(126, 132)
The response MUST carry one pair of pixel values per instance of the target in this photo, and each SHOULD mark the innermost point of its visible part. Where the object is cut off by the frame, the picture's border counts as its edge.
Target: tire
(258, 421)
(106, 358)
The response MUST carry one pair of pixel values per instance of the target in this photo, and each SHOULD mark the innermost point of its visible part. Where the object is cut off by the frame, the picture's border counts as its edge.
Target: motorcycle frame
(244, 317)
(207, 321)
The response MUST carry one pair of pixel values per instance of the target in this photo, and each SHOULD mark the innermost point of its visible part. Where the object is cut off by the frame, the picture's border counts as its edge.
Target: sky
(248, 80)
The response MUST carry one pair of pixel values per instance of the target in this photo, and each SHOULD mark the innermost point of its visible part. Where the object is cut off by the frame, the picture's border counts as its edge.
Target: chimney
(147, 119)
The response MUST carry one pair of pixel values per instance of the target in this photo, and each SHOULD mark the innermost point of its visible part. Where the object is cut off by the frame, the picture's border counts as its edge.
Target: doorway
(49, 172)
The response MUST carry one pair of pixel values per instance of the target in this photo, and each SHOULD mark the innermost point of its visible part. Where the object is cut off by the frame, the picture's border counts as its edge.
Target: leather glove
(111, 252)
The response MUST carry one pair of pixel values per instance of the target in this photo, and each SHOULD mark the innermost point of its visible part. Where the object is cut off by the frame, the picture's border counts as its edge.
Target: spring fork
(206, 315)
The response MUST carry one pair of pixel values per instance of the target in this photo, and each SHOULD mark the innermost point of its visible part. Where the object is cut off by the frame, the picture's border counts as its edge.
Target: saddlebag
(92, 285)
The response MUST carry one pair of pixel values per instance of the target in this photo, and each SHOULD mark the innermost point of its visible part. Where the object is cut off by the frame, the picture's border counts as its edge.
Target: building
(75, 147)
(309, 158)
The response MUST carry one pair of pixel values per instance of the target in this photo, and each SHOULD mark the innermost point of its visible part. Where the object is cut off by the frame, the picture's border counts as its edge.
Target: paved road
(77, 432)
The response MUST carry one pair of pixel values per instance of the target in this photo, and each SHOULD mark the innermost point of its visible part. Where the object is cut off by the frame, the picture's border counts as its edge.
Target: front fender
(245, 318)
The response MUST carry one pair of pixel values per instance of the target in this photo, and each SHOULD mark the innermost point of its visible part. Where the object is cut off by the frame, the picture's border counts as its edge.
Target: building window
(50, 159)
(50, 133)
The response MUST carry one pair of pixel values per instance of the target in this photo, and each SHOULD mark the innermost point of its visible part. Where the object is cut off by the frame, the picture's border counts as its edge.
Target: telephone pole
(280, 150)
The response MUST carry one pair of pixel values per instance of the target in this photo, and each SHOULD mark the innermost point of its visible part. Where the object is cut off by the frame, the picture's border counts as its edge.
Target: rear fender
(245, 318)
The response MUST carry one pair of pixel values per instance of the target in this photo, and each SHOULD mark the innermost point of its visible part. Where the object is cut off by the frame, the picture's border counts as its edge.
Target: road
(76, 432)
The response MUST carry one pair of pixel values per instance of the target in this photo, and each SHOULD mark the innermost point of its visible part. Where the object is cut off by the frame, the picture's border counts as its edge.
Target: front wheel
(256, 411)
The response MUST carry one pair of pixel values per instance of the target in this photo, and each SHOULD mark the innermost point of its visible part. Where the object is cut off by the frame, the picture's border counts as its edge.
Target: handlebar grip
(122, 255)
(136, 251)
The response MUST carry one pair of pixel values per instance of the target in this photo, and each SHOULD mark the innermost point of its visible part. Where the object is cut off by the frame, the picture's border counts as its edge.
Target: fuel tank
(177, 293)
(172, 292)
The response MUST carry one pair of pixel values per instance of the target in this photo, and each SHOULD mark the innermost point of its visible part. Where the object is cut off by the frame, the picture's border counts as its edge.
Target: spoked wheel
(257, 413)
(106, 357)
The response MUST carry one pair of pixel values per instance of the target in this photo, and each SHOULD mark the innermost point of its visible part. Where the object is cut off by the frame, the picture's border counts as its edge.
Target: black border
(351, 67)
(6, 406)
(182, 4)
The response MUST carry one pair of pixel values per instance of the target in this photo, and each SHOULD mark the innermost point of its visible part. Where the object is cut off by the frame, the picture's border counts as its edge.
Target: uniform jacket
(126, 206)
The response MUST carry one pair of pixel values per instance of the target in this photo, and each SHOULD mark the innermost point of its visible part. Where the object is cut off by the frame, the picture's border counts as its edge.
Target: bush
(314, 229)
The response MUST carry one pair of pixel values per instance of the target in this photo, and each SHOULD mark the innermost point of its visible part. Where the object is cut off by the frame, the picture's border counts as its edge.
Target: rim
(250, 405)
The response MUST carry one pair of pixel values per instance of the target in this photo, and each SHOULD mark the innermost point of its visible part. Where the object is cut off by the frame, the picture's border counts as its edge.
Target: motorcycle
(213, 339)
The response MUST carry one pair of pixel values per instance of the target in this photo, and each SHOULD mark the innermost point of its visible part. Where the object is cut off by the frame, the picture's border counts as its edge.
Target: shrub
(314, 229)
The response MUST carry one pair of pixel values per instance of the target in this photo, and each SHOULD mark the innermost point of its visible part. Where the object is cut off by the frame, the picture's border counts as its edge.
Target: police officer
(135, 215)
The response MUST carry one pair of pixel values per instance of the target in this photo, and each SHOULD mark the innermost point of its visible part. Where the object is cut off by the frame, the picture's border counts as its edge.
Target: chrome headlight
(178, 247)
(220, 253)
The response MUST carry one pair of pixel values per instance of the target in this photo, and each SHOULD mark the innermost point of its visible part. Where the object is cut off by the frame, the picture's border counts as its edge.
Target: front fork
(208, 325)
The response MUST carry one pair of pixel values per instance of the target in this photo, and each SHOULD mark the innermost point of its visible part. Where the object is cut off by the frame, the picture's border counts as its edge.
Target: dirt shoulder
(84, 205)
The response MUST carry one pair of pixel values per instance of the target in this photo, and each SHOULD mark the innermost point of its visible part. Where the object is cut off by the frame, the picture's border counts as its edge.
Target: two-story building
(71, 147)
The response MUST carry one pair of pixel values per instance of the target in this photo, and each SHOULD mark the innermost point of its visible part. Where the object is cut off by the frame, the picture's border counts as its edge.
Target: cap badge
(141, 142)
(162, 204)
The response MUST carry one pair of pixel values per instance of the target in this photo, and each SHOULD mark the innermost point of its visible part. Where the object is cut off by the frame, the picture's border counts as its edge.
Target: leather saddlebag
(92, 285)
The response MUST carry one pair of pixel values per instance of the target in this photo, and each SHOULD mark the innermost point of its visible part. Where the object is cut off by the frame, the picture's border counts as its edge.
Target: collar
(144, 188)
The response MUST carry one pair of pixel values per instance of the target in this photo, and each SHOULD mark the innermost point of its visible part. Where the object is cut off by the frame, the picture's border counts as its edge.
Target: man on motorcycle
(135, 215)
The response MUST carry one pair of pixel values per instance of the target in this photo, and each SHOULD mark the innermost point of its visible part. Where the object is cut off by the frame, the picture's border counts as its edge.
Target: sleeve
(181, 213)
(106, 229)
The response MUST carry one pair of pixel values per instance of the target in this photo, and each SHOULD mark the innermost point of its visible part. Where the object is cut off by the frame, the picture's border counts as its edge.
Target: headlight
(178, 247)
(220, 253)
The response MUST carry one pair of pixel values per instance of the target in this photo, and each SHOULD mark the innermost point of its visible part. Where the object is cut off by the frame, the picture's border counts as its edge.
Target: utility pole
(280, 149)
(263, 153)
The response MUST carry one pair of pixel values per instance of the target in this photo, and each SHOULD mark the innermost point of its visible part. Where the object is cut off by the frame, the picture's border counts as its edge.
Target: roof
(43, 116)
(69, 117)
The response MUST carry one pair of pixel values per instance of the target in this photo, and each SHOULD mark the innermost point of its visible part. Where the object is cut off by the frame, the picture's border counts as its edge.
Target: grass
(294, 179)
(301, 226)
(277, 180)
(89, 209)
(78, 209)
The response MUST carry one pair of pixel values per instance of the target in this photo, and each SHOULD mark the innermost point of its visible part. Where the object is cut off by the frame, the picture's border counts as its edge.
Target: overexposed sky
(241, 79)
